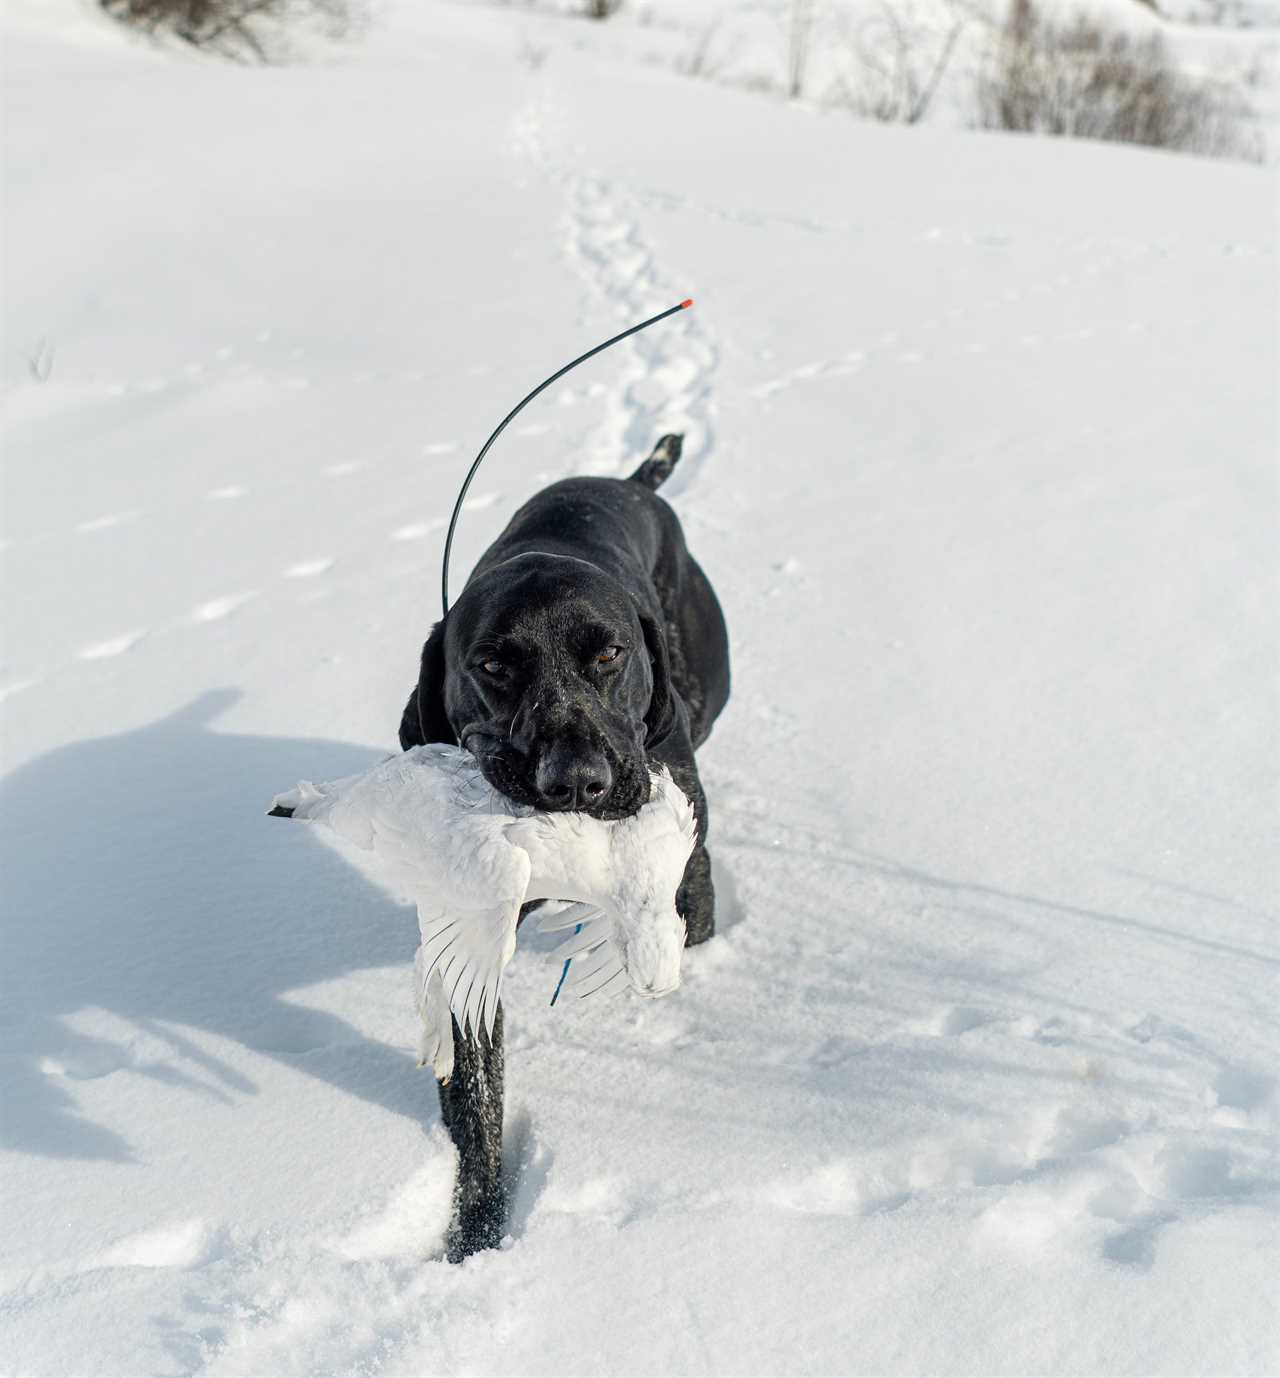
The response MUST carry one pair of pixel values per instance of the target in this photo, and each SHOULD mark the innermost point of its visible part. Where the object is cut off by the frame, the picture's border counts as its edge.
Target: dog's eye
(608, 655)
(494, 668)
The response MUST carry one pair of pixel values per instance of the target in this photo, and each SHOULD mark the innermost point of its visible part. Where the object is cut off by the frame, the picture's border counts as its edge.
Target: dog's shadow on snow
(145, 880)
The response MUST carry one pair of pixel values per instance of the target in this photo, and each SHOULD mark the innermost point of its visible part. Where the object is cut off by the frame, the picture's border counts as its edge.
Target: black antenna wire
(502, 425)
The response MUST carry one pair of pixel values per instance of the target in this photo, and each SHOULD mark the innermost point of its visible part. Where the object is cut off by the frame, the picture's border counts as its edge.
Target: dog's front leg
(471, 1106)
(696, 898)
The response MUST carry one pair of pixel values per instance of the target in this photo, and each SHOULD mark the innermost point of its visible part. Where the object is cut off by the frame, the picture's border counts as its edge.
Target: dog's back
(625, 528)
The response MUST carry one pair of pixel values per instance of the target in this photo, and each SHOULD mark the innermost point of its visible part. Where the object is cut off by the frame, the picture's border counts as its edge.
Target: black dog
(586, 646)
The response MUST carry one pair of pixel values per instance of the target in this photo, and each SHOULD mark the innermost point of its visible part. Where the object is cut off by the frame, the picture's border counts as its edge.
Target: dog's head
(551, 674)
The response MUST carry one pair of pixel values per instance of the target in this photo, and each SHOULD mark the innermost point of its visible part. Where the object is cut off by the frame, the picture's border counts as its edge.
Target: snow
(979, 1074)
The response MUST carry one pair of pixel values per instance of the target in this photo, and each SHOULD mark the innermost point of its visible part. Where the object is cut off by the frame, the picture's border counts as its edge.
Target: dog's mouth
(510, 773)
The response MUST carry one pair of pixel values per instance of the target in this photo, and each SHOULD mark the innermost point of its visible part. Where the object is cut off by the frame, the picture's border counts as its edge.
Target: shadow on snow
(143, 878)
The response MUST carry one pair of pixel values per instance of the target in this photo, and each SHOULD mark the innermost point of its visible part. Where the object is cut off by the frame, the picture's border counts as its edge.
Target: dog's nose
(565, 783)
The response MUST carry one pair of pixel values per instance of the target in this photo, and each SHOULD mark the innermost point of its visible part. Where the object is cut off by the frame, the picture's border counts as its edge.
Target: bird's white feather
(557, 919)
(588, 937)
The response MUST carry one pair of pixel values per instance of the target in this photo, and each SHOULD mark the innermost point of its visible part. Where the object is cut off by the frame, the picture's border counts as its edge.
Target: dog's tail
(656, 470)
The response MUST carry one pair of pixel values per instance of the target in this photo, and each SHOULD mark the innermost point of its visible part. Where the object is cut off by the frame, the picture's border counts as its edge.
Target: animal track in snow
(951, 1022)
(182, 1244)
(881, 350)
(415, 1211)
(602, 1197)
(415, 531)
(673, 201)
(107, 520)
(217, 608)
(1067, 1132)
(837, 1051)
(1243, 1099)
(116, 645)
(834, 368)
(1187, 1172)
(16, 687)
(308, 569)
(838, 1187)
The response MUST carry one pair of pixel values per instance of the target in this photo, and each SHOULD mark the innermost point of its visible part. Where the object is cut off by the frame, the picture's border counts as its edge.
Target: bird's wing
(585, 937)
(557, 915)
(469, 898)
(468, 950)
(469, 918)
(436, 1043)
(590, 946)
(600, 971)
(436, 835)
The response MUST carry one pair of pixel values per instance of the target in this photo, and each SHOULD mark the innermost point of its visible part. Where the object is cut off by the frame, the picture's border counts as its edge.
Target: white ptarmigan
(469, 857)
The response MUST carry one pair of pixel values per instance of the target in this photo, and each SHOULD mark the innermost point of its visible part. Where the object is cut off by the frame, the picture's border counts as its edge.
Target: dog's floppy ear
(424, 716)
(659, 717)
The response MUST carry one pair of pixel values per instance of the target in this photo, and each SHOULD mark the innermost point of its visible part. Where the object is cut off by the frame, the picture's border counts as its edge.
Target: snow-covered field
(980, 1075)
(845, 57)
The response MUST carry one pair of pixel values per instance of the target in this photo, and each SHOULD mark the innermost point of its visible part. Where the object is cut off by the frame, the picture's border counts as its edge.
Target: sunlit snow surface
(979, 1076)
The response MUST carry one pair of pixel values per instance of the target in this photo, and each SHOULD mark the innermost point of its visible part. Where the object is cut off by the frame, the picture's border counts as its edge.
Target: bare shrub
(40, 361)
(532, 54)
(602, 9)
(898, 57)
(1084, 80)
(242, 29)
(696, 62)
(709, 54)
(799, 37)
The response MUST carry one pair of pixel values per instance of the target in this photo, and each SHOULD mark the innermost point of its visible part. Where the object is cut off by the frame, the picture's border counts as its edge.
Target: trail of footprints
(267, 361)
(1121, 257)
(669, 371)
(1106, 256)
(890, 348)
(1089, 1171)
(223, 606)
